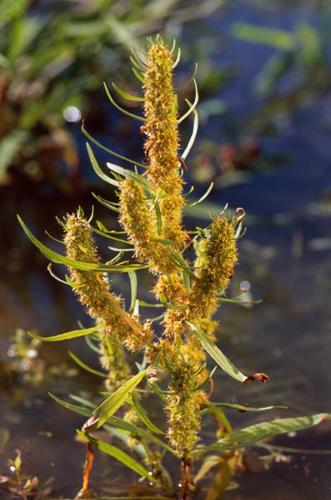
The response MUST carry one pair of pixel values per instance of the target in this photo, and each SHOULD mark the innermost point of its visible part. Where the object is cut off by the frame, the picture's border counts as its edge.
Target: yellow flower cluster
(93, 290)
(162, 144)
(139, 221)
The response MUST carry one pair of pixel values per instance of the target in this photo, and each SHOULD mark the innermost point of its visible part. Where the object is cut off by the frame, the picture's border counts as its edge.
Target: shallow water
(285, 256)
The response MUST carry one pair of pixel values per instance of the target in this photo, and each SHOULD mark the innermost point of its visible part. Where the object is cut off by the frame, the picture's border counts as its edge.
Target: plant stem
(85, 491)
(186, 475)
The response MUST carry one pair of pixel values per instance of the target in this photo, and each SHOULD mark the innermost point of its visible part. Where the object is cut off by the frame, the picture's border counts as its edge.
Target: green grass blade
(73, 334)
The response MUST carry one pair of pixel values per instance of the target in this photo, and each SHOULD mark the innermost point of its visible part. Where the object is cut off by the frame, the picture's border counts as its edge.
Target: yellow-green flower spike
(217, 256)
(113, 360)
(139, 221)
(184, 398)
(93, 289)
(162, 144)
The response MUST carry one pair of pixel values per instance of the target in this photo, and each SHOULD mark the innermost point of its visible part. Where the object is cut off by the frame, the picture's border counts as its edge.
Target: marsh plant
(174, 352)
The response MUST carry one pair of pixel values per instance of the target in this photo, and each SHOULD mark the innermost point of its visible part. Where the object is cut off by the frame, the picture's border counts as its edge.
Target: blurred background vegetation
(264, 74)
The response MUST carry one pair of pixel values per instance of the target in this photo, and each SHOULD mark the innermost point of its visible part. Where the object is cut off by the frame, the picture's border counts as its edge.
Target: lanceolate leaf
(191, 106)
(101, 146)
(242, 407)
(253, 434)
(143, 415)
(217, 355)
(111, 404)
(193, 135)
(134, 286)
(73, 334)
(57, 258)
(114, 103)
(69, 406)
(97, 169)
(136, 431)
(126, 95)
(118, 454)
(85, 367)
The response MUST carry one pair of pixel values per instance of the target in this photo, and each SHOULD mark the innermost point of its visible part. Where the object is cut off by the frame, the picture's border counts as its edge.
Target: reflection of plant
(51, 58)
(19, 484)
(25, 360)
(300, 61)
(175, 345)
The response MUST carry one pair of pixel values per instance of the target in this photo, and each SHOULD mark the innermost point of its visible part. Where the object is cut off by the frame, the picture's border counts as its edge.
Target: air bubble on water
(72, 114)
(291, 434)
(11, 352)
(245, 286)
(150, 473)
(12, 468)
(32, 353)
(180, 485)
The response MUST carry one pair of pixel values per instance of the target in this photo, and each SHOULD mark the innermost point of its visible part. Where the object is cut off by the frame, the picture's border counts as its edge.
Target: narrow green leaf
(143, 415)
(138, 75)
(134, 286)
(217, 355)
(69, 406)
(193, 135)
(280, 39)
(105, 203)
(113, 402)
(101, 146)
(241, 407)
(177, 60)
(66, 336)
(82, 266)
(118, 454)
(51, 272)
(117, 106)
(191, 106)
(250, 435)
(135, 431)
(125, 95)
(85, 367)
(97, 169)
(131, 175)
(204, 196)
